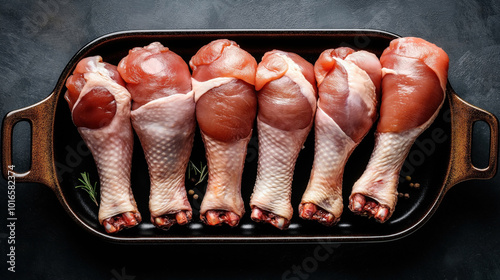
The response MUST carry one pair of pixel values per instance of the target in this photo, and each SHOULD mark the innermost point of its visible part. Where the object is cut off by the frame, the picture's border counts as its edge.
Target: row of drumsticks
(153, 92)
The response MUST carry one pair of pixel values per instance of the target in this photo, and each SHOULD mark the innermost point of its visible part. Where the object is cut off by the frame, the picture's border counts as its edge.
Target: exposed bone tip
(166, 221)
(382, 214)
(259, 215)
(356, 203)
(280, 222)
(309, 211)
(366, 206)
(218, 217)
(256, 214)
(109, 227)
(121, 221)
(357, 206)
(183, 217)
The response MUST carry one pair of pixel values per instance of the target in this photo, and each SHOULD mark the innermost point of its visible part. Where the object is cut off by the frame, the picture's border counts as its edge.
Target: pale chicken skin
(348, 88)
(287, 103)
(100, 108)
(163, 116)
(226, 104)
(413, 90)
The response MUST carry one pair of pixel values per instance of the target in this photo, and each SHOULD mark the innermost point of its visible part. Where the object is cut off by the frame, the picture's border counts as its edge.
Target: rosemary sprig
(87, 186)
(201, 172)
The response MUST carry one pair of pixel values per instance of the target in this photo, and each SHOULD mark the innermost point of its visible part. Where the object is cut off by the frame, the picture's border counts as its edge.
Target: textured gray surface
(459, 242)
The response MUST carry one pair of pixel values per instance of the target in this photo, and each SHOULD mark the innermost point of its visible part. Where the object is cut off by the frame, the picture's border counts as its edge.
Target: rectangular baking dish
(59, 154)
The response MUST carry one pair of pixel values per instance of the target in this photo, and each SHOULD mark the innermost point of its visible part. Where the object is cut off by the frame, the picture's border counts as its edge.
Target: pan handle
(40, 116)
(464, 115)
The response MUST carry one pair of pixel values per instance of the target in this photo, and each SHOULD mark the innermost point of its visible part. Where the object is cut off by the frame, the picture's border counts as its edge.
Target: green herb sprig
(87, 186)
(200, 172)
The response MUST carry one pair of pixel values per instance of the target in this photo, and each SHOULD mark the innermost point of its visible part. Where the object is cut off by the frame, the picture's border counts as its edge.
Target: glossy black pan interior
(439, 159)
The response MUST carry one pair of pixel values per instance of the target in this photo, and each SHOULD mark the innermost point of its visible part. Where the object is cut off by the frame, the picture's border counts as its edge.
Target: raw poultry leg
(226, 105)
(100, 108)
(347, 109)
(287, 104)
(163, 116)
(413, 90)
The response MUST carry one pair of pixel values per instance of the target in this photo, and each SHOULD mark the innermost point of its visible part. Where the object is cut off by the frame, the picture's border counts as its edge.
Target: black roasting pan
(440, 158)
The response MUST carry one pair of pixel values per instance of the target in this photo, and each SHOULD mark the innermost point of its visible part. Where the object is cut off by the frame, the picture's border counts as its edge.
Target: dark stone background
(461, 240)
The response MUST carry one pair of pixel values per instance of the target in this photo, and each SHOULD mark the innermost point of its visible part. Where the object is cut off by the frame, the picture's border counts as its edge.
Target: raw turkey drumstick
(100, 108)
(226, 105)
(163, 116)
(413, 90)
(287, 103)
(348, 88)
